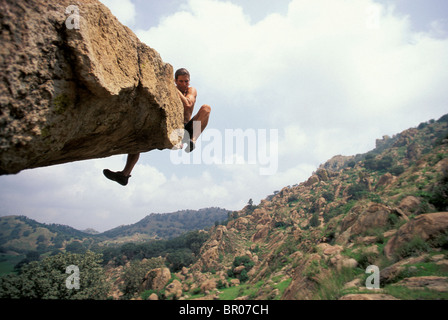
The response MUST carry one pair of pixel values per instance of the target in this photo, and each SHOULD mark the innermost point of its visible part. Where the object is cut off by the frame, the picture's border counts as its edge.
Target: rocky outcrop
(156, 279)
(174, 289)
(425, 283)
(337, 162)
(211, 250)
(390, 273)
(409, 205)
(385, 181)
(360, 220)
(365, 296)
(426, 226)
(76, 84)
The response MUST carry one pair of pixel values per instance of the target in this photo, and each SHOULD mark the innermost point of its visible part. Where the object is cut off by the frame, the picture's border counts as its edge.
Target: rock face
(76, 84)
(421, 283)
(361, 220)
(426, 226)
(368, 297)
(156, 279)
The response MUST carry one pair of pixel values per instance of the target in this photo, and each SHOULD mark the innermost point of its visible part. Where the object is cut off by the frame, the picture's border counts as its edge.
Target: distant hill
(90, 231)
(20, 234)
(170, 225)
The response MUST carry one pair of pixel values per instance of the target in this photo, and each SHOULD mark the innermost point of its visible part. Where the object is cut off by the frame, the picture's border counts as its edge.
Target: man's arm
(188, 102)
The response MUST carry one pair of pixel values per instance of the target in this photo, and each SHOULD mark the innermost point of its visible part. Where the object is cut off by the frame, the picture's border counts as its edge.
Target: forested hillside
(166, 226)
(23, 240)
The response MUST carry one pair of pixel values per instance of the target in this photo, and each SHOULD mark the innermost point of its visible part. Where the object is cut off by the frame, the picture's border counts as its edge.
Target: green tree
(243, 276)
(30, 256)
(135, 273)
(179, 259)
(314, 221)
(194, 240)
(439, 196)
(41, 238)
(75, 247)
(357, 191)
(46, 279)
(130, 250)
(245, 261)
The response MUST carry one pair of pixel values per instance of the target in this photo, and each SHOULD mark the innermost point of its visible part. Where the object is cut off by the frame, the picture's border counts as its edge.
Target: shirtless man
(188, 96)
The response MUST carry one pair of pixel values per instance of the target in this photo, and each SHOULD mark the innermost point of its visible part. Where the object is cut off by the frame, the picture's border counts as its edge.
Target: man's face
(182, 82)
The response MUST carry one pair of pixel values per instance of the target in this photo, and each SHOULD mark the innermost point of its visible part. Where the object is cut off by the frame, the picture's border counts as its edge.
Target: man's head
(182, 79)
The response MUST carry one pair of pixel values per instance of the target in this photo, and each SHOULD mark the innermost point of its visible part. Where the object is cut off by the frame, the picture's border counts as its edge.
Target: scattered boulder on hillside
(156, 279)
(174, 289)
(385, 181)
(362, 219)
(368, 296)
(311, 180)
(208, 285)
(239, 224)
(390, 273)
(409, 205)
(304, 280)
(332, 254)
(261, 234)
(210, 251)
(425, 283)
(426, 226)
(153, 297)
(337, 162)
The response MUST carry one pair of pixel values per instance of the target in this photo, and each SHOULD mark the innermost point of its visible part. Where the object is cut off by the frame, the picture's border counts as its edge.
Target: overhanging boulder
(77, 84)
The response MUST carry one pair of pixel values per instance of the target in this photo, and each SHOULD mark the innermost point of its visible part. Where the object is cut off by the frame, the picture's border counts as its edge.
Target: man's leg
(196, 126)
(202, 116)
(130, 164)
(122, 177)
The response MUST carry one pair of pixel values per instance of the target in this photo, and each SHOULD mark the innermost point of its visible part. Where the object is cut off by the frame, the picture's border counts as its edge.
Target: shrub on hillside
(47, 279)
(245, 261)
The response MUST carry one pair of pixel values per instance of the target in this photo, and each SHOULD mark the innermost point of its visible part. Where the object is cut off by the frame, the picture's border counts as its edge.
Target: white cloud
(331, 75)
(439, 28)
(124, 10)
(326, 65)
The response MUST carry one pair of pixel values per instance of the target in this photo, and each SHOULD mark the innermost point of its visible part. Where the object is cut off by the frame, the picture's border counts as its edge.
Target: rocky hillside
(76, 84)
(315, 240)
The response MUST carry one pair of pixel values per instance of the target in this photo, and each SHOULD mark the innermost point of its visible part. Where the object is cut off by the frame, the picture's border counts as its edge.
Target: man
(188, 96)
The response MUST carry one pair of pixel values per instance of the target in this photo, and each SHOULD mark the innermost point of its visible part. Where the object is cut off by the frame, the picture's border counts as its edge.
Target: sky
(291, 83)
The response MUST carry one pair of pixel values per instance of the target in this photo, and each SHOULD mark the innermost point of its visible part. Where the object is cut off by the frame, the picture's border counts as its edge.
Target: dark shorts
(189, 127)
